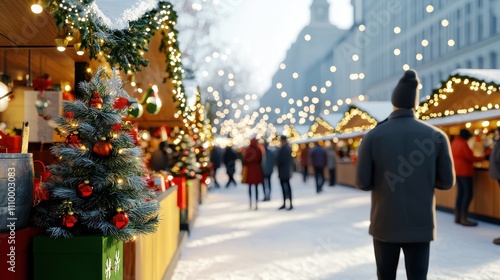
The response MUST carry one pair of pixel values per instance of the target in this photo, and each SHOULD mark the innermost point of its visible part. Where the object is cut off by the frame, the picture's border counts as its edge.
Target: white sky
(267, 28)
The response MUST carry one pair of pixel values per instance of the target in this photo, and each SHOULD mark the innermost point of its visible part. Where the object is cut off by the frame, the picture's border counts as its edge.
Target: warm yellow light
(355, 57)
(425, 43)
(61, 43)
(467, 125)
(397, 30)
(397, 51)
(451, 42)
(362, 27)
(307, 37)
(485, 123)
(429, 9)
(36, 8)
(419, 56)
(67, 87)
(444, 22)
(406, 67)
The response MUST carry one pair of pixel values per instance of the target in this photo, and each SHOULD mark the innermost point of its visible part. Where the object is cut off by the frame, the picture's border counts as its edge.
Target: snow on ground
(325, 236)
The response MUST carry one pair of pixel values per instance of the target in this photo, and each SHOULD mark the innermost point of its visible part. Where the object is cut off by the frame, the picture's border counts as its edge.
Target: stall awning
(464, 92)
(364, 116)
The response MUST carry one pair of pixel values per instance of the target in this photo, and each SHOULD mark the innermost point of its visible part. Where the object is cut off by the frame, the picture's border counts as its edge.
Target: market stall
(470, 99)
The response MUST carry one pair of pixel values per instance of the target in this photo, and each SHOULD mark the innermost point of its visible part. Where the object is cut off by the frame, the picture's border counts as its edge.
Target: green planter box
(83, 257)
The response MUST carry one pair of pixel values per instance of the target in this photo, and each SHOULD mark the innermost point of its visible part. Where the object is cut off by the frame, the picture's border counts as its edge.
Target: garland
(125, 48)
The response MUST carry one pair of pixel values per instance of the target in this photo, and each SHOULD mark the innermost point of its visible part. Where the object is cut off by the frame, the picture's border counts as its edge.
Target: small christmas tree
(183, 158)
(97, 185)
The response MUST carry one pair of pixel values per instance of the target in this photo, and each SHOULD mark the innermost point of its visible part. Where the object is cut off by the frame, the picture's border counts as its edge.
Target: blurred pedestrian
(254, 174)
(495, 165)
(402, 160)
(159, 158)
(304, 161)
(230, 158)
(284, 162)
(318, 159)
(332, 164)
(464, 168)
(268, 170)
(215, 160)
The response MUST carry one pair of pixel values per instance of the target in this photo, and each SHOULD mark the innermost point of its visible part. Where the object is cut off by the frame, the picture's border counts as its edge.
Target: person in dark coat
(215, 159)
(402, 161)
(284, 162)
(304, 161)
(464, 169)
(230, 158)
(159, 158)
(268, 169)
(332, 164)
(494, 169)
(318, 159)
(254, 174)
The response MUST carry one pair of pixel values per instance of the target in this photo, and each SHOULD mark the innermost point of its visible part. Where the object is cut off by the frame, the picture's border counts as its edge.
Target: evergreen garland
(124, 48)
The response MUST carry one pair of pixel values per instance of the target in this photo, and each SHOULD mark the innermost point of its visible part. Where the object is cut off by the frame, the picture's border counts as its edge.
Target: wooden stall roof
(464, 92)
(324, 124)
(364, 116)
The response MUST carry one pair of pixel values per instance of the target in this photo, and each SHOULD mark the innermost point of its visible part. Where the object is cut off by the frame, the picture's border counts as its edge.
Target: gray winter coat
(268, 162)
(401, 161)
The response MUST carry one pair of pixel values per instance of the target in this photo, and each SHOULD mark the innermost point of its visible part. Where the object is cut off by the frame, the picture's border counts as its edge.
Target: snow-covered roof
(116, 14)
(379, 110)
(332, 119)
(486, 75)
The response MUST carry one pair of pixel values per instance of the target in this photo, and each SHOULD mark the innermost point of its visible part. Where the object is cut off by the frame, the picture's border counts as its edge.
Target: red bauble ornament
(73, 138)
(69, 219)
(135, 136)
(102, 148)
(117, 127)
(96, 101)
(69, 115)
(184, 171)
(84, 189)
(121, 103)
(185, 153)
(120, 219)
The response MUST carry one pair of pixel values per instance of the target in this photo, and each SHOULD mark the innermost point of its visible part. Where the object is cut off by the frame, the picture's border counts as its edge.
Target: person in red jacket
(464, 169)
(252, 160)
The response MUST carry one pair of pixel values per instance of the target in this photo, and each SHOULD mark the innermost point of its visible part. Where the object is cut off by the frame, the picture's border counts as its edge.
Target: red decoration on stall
(96, 101)
(42, 83)
(120, 219)
(102, 148)
(84, 189)
(181, 191)
(39, 192)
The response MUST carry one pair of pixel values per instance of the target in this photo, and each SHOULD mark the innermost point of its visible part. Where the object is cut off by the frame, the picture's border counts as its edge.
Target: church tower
(320, 11)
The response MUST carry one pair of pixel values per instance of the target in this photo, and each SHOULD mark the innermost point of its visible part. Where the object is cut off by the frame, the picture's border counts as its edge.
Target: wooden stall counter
(154, 256)
(485, 203)
(346, 173)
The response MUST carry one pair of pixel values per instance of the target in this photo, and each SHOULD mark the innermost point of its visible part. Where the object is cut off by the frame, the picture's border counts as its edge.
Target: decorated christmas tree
(97, 185)
(183, 159)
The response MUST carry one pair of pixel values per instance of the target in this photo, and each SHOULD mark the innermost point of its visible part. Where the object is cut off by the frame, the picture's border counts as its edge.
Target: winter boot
(465, 222)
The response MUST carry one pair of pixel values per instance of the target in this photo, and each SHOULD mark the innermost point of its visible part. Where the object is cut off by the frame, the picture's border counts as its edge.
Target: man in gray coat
(402, 160)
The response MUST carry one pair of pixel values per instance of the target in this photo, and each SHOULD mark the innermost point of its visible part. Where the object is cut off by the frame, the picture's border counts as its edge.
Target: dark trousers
(332, 177)
(256, 193)
(267, 187)
(215, 178)
(287, 191)
(464, 194)
(319, 177)
(304, 173)
(416, 259)
(231, 180)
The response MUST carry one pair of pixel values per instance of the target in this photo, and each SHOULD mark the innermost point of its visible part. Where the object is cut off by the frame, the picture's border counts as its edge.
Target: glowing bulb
(36, 8)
